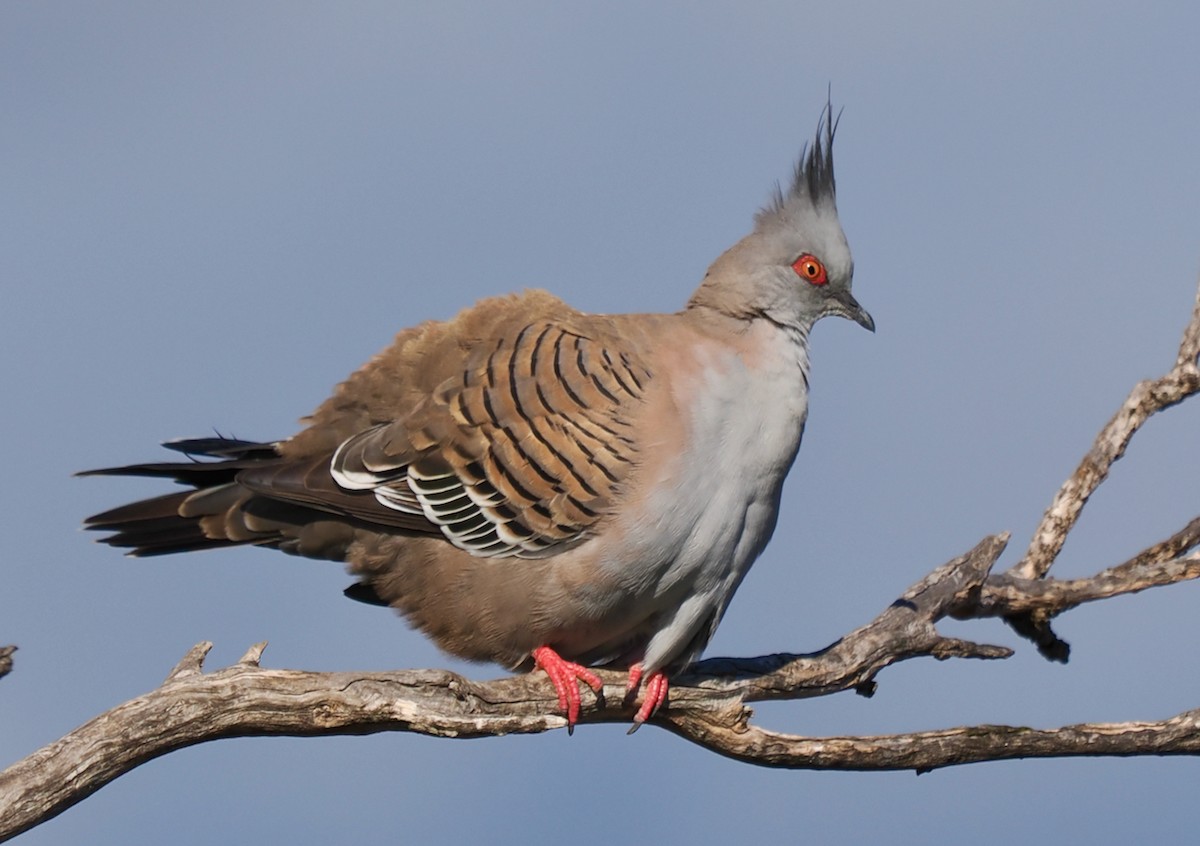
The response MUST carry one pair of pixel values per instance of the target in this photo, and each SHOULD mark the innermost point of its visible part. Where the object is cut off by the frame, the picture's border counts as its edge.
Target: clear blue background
(211, 213)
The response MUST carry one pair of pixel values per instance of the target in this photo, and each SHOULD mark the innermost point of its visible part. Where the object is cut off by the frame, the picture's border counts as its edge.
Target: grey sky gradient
(212, 213)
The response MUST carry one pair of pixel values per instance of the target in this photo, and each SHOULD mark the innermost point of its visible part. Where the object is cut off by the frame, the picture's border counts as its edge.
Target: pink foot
(656, 694)
(565, 676)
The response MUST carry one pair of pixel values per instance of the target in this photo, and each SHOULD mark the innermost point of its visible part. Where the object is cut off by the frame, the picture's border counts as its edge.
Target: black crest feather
(813, 178)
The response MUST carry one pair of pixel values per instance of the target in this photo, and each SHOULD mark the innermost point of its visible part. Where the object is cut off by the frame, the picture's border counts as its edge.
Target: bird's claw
(656, 694)
(565, 676)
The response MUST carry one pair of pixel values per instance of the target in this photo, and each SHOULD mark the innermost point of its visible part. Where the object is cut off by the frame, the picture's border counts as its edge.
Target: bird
(545, 488)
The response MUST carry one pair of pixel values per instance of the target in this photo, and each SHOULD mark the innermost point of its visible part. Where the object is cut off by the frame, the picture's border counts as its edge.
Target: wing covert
(518, 456)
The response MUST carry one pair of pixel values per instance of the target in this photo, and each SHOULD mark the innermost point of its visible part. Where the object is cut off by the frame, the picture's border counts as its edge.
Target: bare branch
(925, 751)
(1007, 595)
(1162, 564)
(904, 630)
(1146, 399)
(1189, 347)
(247, 701)
(191, 664)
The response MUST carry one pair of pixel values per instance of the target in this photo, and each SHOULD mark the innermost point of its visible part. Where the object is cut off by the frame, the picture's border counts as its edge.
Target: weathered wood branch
(1146, 399)
(905, 629)
(1006, 595)
(709, 704)
(929, 750)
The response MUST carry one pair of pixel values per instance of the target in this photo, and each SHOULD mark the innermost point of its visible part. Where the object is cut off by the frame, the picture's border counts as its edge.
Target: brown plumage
(525, 400)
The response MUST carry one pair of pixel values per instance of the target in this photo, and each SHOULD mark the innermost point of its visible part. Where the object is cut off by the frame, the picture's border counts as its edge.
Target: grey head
(795, 267)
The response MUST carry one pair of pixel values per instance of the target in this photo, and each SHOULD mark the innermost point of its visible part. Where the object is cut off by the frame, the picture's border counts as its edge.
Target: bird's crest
(812, 183)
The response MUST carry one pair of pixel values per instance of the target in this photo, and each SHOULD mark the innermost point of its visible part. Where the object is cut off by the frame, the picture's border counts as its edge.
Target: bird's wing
(518, 455)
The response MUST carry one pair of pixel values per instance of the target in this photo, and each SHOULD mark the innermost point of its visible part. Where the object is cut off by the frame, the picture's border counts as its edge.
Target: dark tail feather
(234, 456)
(168, 544)
(155, 526)
(219, 447)
(158, 508)
(245, 493)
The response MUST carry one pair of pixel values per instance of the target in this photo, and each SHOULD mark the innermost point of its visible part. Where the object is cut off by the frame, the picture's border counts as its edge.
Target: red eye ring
(809, 268)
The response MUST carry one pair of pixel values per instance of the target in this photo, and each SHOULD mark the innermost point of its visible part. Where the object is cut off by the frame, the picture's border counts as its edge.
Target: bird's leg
(635, 679)
(565, 676)
(656, 693)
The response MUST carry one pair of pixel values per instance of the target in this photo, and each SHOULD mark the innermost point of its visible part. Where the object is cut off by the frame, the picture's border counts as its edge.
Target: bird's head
(795, 267)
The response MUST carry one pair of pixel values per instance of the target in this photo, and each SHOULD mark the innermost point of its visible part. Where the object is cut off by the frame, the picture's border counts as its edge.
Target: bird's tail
(204, 517)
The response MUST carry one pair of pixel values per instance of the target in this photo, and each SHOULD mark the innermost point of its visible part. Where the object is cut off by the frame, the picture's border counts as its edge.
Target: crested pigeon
(537, 486)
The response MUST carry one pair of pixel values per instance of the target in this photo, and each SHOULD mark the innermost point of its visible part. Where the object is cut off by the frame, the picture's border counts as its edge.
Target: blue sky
(214, 213)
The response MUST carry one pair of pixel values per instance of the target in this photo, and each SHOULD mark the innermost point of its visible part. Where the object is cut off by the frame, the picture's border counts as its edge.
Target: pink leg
(656, 693)
(565, 676)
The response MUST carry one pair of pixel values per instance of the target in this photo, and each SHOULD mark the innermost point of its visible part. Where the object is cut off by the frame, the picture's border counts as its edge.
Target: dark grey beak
(848, 307)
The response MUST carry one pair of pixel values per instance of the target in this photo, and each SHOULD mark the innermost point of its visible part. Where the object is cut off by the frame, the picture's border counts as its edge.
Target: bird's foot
(565, 676)
(656, 694)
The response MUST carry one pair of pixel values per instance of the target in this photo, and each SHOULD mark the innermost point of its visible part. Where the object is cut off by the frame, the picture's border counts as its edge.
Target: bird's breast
(730, 425)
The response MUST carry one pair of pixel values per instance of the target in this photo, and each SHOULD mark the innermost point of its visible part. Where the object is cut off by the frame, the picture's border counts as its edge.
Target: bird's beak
(846, 306)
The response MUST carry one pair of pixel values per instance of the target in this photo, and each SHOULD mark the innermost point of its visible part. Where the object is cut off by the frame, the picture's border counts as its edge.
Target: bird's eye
(809, 268)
